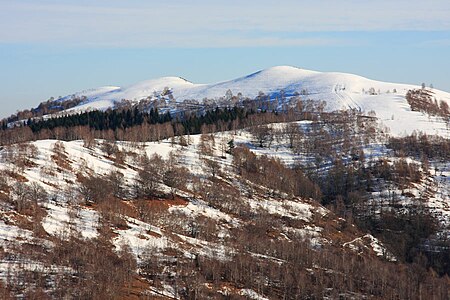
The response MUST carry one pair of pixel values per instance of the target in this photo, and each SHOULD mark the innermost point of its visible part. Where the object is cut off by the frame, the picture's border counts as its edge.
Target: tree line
(139, 126)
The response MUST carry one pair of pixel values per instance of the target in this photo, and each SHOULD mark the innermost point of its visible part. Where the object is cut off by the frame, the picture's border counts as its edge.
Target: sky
(52, 48)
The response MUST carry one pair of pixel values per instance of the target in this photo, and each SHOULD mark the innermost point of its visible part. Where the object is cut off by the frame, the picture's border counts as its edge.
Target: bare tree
(175, 176)
(95, 189)
(293, 133)
(262, 134)
(150, 175)
(116, 181)
(211, 166)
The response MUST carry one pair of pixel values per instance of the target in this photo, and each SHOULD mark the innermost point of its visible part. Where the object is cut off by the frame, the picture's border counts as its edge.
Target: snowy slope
(64, 210)
(61, 184)
(339, 90)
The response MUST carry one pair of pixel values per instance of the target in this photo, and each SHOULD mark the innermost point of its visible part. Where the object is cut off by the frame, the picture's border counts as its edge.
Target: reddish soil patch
(4, 195)
(137, 289)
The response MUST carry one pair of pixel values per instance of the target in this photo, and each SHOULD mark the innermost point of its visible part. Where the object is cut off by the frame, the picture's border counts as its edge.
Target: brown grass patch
(16, 176)
(62, 162)
(154, 234)
(18, 220)
(137, 289)
(33, 224)
(30, 164)
(50, 184)
(171, 252)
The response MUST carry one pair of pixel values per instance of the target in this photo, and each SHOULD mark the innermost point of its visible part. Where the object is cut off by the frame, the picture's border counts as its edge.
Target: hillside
(339, 90)
(205, 218)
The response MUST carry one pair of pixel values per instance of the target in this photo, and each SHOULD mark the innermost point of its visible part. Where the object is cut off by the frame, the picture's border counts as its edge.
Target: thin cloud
(436, 43)
(201, 23)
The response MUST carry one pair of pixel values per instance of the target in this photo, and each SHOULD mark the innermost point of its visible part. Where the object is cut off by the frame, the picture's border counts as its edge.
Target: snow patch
(251, 294)
(58, 220)
(362, 242)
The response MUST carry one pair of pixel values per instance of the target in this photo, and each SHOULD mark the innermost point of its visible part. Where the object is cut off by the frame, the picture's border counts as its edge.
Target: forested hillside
(238, 202)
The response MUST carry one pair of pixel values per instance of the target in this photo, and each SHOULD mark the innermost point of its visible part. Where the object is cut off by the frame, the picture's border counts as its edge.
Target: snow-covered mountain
(339, 90)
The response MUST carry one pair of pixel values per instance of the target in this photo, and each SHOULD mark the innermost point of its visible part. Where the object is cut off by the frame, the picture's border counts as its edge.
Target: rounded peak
(173, 79)
(159, 83)
(295, 72)
(281, 69)
(277, 72)
(286, 70)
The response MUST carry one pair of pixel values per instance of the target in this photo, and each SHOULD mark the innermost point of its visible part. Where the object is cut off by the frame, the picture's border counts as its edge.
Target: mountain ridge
(281, 83)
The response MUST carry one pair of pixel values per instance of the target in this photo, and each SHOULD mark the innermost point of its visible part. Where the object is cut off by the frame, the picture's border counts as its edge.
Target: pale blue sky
(54, 48)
